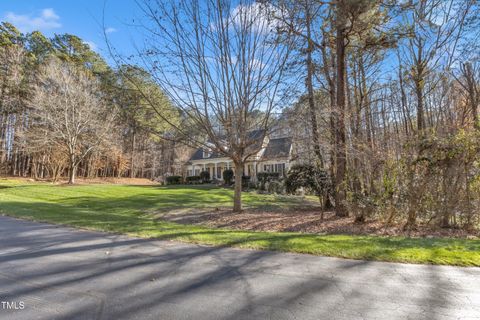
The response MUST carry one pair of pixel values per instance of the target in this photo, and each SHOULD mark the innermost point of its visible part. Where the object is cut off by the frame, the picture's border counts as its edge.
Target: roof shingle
(277, 148)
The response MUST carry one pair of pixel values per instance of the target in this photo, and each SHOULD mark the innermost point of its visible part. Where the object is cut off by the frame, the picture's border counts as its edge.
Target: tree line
(390, 103)
(65, 112)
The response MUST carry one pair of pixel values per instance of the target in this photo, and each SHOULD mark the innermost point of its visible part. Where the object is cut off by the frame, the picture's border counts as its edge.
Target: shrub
(362, 206)
(245, 181)
(251, 185)
(311, 178)
(228, 176)
(434, 185)
(205, 176)
(193, 179)
(275, 187)
(267, 176)
(173, 180)
(264, 177)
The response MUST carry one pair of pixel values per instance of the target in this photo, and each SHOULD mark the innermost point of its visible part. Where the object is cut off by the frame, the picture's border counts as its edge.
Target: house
(274, 156)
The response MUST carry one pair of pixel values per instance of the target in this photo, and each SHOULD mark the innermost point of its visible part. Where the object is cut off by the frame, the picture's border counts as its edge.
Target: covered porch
(216, 167)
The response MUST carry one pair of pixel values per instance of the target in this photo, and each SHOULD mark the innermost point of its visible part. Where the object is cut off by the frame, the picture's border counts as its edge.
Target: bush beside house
(173, 180)
(228, 176)
(193, 180)
(205, 176)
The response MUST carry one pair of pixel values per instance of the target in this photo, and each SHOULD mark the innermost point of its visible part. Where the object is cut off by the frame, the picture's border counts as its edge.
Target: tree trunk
(405, 113)
(311, 95)
(341, 161)
(72, 171)
(237, 197)
(132, 158)
(71, 175)
(420, 107)
(473, 92)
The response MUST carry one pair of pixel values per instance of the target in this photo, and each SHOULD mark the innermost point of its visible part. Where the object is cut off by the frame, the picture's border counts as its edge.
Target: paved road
(62, 273)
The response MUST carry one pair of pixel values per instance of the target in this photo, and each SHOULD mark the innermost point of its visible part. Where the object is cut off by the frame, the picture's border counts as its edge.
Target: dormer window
(207, 153)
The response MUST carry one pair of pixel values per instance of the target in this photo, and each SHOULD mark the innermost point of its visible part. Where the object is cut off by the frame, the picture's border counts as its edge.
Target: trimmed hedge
(205, 176)
(173, 180)
(228, 176)
(193, 179)
(246, 180)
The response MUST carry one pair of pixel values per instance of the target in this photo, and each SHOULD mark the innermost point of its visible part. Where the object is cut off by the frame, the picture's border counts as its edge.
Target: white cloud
(49, 13)
(46, 20)
(110, 30)
(93, 46)
(258, 15)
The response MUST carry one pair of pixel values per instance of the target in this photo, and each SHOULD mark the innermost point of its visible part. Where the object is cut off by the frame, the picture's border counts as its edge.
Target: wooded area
(64, 110)
(386, 100)
(391, 99)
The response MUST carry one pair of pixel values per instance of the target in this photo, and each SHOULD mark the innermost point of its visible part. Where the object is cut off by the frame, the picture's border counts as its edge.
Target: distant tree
(69, 112)
(433, 42)
(136, 91)
(39, 46)
(10, 35)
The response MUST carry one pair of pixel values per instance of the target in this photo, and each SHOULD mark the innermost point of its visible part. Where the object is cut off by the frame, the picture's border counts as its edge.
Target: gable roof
(252, 135)
(198, 155)
(277, 148)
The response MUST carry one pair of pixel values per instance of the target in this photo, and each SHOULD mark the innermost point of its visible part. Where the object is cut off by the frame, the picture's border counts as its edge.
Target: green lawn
(130, 209)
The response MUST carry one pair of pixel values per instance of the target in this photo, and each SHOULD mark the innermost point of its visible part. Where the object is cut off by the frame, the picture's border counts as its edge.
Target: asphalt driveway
(51, 272)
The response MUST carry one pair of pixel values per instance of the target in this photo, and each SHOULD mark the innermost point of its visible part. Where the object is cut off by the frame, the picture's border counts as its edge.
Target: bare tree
(470, 82)
(436, 29)
(69, 112)
(220, 64)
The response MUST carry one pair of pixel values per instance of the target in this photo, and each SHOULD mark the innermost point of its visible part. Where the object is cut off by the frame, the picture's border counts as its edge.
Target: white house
(274, 156)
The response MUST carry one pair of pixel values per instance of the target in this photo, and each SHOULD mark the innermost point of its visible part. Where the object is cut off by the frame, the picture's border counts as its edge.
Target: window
(277, 167)
(280, 167)
(207, 153)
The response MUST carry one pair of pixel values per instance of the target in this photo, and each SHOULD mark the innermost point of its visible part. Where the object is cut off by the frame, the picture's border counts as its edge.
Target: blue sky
(82, 18)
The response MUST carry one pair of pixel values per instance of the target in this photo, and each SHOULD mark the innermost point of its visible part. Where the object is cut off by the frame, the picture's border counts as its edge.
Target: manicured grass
(130, 209)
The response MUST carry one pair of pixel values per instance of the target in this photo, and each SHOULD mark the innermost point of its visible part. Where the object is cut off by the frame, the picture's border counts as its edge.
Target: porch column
(193, 169)
(204, 167)
(215, 172)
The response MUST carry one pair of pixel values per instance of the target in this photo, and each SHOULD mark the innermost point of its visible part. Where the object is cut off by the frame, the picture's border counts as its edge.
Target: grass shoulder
(135, 210)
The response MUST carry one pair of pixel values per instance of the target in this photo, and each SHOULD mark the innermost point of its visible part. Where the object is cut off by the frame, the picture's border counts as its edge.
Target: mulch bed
(306, 221)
